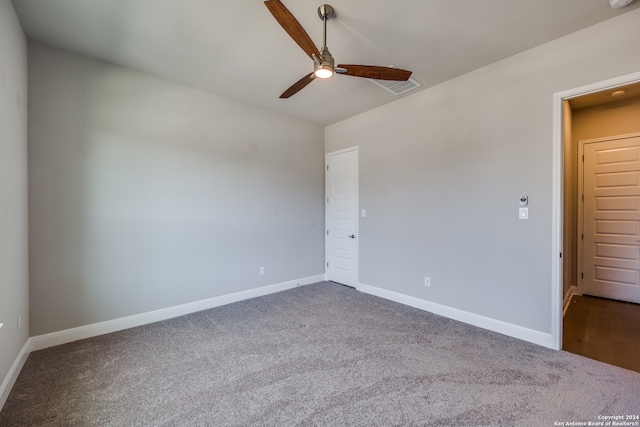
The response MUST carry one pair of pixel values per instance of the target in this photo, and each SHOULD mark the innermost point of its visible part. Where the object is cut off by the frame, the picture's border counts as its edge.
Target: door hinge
(560, 254)
(327, 167)
(327, 232)
(583, 197)
(327, 265)
(582, 236)
(583, 157)
(582, 275)
(327, 200)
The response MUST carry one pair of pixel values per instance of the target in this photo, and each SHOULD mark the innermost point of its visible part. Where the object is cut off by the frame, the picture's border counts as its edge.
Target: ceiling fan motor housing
(327, 59)
(327, 64)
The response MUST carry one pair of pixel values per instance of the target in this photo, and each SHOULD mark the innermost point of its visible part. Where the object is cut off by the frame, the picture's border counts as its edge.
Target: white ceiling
(236, 49)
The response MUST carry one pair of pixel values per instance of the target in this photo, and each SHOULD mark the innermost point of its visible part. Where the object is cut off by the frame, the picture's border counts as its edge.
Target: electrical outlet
(19, 322)
(427, 281)
(261, 271)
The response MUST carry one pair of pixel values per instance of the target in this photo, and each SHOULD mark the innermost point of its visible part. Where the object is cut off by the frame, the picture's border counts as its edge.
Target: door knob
(353, 236)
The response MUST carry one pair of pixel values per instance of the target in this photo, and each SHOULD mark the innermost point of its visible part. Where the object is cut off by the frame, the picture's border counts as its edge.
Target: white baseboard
(515, 331)
(573, 290)
(40, 342)
(13, 373)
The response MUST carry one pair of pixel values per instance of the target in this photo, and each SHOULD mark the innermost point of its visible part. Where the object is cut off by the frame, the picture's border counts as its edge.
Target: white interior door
(611, 218)
(341, 184)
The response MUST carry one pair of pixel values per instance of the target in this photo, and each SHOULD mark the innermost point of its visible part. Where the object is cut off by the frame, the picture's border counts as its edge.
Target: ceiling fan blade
(373, 72)
(292, 27)
(298, 86)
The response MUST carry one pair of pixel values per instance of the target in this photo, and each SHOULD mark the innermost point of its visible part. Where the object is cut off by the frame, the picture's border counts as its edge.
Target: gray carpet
(318, 355)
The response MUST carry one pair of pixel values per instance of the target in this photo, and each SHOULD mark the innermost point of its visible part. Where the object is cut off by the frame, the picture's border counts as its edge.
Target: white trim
(13, 373)
(557, 221)
(69, 335)
(494, 325)
(557, 202)
(573, 290)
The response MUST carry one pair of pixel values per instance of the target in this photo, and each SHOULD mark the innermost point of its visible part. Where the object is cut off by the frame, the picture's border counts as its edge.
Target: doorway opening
(581, 114)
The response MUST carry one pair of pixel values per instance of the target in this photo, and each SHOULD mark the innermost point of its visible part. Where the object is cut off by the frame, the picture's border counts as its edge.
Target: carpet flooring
(317, 355)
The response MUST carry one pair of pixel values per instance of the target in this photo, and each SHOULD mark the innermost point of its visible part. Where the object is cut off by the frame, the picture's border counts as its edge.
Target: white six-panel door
(341, 208)
(611, 218)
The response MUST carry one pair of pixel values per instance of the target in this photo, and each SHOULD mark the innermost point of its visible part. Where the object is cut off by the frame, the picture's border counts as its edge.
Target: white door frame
(357, 209)
(557, 192)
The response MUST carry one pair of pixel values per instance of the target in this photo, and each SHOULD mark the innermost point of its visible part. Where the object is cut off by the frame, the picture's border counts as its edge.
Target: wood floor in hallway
(604, 330)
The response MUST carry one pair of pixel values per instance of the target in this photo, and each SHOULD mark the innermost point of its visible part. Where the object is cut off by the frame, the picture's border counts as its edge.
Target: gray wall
(441, 172)
(14, 292)
(146, 194)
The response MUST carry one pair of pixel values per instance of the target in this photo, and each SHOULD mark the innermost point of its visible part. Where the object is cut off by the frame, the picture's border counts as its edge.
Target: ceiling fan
(324, 67)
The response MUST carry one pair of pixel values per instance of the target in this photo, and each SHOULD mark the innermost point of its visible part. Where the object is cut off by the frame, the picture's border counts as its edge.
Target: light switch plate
(524, 213)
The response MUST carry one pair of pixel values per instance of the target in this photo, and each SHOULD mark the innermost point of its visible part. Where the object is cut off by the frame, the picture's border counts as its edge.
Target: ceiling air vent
(396, 87)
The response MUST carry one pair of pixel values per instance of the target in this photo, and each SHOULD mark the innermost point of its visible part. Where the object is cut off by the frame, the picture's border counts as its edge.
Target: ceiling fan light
(324, 71)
